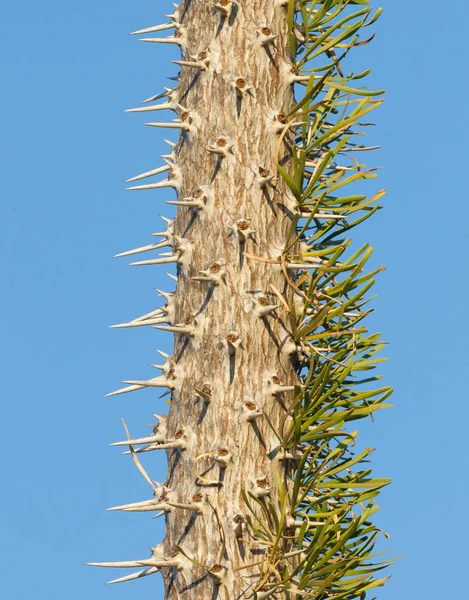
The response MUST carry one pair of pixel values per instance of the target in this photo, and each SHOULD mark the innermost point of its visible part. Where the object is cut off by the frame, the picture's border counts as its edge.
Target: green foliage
(321, 538)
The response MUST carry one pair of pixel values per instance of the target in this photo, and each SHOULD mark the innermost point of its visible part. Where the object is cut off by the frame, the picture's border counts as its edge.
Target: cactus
(265, 496)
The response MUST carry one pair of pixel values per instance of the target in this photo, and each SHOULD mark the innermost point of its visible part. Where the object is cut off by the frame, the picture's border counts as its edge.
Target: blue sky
(68, 70)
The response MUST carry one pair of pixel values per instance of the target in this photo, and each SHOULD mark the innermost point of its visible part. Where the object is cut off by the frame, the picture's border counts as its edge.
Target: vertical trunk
(237, 354)
(265, 495)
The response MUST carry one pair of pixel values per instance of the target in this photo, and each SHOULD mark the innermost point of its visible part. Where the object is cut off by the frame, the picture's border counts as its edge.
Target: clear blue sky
(68, 69)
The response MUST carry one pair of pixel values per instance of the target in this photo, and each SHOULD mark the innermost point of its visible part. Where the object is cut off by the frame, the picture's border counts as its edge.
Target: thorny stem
(276, 380)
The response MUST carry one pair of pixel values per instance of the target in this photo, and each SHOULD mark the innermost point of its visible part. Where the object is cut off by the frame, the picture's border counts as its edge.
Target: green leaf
(289, 181)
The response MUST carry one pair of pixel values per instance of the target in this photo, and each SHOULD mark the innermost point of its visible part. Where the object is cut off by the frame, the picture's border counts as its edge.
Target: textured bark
(238, 374)
(238, 526)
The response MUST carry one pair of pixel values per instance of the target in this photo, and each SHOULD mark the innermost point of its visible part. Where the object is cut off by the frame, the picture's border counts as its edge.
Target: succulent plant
(265, 495)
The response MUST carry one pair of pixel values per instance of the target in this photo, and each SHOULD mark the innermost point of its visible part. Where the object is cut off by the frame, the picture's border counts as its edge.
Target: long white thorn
(156, 261)
(189, 203)
(161, 564)
(127, 564)
(142, 249)
(175, 329)
(148, 448)
(159, 313)
(196, 64)
(126, 390)
(167, 446)
(142, 504)
(146, 509)
(155, 186)
(138, 575)
(155, 28)
(165, 234)
(159, 96)
(190, 507)
(149, 173)
(320, 215)
(145, 323)
(150, 315)
(279, 389)
(165, 106)
(168, 40)
(168, 125)
(145, 440)
(157, 382)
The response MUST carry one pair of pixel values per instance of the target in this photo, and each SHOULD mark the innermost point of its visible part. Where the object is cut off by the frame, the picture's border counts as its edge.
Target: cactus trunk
(265, 496)
(241, 373)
